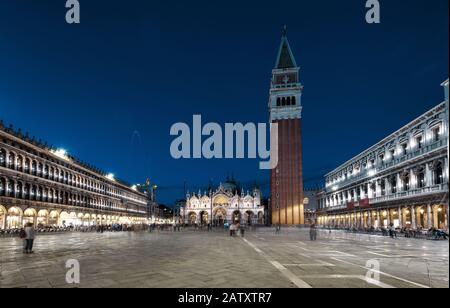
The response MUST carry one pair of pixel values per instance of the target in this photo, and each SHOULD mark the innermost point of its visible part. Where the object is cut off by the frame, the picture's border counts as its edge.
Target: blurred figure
(29, 231)
(313, 232)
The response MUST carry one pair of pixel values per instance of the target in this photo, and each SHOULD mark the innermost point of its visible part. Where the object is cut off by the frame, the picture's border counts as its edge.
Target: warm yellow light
(422, 211)
(384, 214)
(440, 210)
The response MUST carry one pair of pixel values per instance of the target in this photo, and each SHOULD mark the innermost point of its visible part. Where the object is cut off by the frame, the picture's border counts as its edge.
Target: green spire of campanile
(285, 57)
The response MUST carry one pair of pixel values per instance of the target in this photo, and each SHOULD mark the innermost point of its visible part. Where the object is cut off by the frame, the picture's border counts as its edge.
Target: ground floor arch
(14, 218)
(29, 217)
(219, 216)
(192, 216)
(236, 216)
(53, 218)
(249, 217)
(204, 218)
(42, 218)
(2, 217)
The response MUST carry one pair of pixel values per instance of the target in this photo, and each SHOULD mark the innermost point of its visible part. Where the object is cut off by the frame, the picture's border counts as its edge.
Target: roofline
(72, 162)
(383, 140)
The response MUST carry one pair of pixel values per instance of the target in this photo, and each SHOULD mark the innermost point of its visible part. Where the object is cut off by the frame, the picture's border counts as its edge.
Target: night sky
(109, 89)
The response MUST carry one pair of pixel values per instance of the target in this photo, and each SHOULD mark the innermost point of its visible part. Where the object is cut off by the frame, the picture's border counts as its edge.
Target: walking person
(278, 229)
(29, 230)
(23, 236)
(312, 232)
(392, 232)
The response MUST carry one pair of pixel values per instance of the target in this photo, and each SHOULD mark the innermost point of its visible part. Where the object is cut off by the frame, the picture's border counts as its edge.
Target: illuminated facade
(402, 180)
(226, 204)
(50, 188)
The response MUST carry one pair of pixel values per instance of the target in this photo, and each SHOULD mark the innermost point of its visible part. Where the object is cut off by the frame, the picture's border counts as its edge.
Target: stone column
(429, 217)
(413, 217)
(388, 217)
(400, 217)
(412, 180)
(419, 218)
(428, 176)
(446, 216)
(399, 183)
(435, 217)
(370, 219)
(378, 218)
(5, 218)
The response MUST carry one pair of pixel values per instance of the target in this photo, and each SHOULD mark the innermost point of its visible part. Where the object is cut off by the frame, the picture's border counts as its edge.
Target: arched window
(288, 102)
(45, 171)
(12, 161)
(438, 174)
(283, 101)
(278, 102)
(10, 189)
(19, 163)
(40, 169)
(34, 168)
(2, 158)
(2, 187)
(26, 191)
(19, 190)
(293, 101)
(33, 192)
(406, 182)
(27, 166)
(393, 182)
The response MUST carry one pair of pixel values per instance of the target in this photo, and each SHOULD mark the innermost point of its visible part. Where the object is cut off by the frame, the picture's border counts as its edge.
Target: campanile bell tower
(286, 180)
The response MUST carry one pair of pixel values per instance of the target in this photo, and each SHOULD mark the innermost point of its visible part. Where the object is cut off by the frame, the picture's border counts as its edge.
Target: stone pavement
(191, 259)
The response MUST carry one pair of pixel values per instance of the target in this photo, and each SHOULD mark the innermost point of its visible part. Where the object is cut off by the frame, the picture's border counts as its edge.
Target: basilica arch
(249, 217)
(192, 218)
(221, 200)
(219, 215)
(236, 217)
(204, 217)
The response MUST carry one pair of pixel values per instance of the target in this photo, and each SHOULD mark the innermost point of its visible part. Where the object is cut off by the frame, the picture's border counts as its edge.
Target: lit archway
(2, 217)
(220, 216)
(192, 218)
(53, 218)
(204, 218)
(221, 200)
(236, 216)
(29, 216)
(14, 219)
(249, 217)
(42, 218)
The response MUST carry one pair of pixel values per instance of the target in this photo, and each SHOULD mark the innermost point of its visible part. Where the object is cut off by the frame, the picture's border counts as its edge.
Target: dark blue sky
(109, 89)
